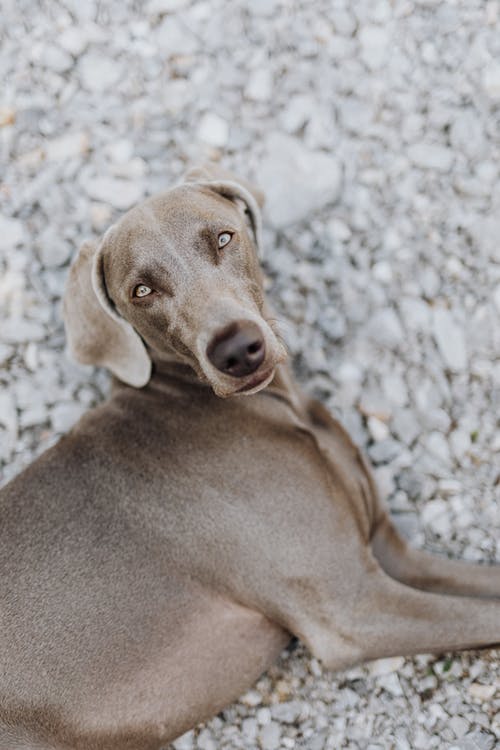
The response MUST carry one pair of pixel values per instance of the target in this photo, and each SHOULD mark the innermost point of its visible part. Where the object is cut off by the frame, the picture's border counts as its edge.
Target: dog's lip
(256, 380)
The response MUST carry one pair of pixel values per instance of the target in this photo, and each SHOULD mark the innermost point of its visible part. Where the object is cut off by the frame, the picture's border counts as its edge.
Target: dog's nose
(237, 350)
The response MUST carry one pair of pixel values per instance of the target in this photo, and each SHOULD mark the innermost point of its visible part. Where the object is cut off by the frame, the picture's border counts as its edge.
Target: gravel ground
(375, 129)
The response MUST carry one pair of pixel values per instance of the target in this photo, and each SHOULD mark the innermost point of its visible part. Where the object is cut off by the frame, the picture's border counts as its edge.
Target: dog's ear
(239, 191)
(96, 332)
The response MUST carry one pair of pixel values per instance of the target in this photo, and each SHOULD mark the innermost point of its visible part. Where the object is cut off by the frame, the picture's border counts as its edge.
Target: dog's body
(154, 562)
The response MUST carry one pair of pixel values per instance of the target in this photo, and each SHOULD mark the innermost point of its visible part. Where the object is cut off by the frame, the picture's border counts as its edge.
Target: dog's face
(180, 274)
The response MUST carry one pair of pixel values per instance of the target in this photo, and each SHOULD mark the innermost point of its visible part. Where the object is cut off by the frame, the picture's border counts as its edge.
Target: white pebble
(296, 181)
(11, 232)
(213, 130)
(450, 340)
(431, 156)
(491, 81)
(270, 736)
(121, 194)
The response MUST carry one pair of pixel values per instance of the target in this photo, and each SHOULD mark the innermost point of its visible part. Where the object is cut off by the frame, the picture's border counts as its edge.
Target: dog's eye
(142, 290)
(224, 239)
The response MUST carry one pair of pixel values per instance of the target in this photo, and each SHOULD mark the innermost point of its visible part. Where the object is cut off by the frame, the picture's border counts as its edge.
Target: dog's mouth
(257, 382)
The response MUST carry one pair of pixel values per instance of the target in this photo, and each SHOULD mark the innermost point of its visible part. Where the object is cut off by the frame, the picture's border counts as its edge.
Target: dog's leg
(388, 618)
(430, 572)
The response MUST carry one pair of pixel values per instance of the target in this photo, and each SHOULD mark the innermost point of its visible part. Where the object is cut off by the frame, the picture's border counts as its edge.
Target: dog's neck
(169, 374)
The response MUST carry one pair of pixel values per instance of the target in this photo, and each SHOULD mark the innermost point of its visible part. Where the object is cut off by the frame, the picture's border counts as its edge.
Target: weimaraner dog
(156, 560)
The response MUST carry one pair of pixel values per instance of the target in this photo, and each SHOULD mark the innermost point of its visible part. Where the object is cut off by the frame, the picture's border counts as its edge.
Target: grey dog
(157, 559)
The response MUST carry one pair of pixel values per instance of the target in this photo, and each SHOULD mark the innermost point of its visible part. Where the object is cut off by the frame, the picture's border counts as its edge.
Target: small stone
(385, 666)
(186, 742)
(260, 85)
(121, 194)
(206, 741)
(263, 715)
(491, 81)
(450, 340)
(482, 692)
(6, 353)
(391, 683)
(296, 181)
(460, 443)
(375, 46)
(478, 740)
(415, 313)
(343, 22)
(297, 112)
(287, 712)
(73, 40)
(430, 282)
(11, 232)
(385, 451)
(377, 429)
(385, 328)
(459, 725)
(431, 156)
(467, 135)
(270, 736)
(213, 130)
(7, 116)
(340, 231)
(249, 728)
(100, 215)
(20, 330)
(67, 146)
(173, 36)
(436, 514)
(252, 698)
(384, 479)
(34, 415)
(437, 446)
(496, 297)
(64, 415)
(53, 250)
(449, 487)
(382, 271)
(56, 59)
(99, 73)
(8, 413)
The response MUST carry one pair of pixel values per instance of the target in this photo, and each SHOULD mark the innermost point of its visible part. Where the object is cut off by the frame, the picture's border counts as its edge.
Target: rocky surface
(375, 129)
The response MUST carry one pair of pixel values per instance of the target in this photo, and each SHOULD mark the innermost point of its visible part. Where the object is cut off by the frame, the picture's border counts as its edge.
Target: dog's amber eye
(142, 290)
(224, 239)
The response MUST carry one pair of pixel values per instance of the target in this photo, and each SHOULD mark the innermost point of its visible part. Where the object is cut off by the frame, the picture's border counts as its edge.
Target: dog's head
(178, 278)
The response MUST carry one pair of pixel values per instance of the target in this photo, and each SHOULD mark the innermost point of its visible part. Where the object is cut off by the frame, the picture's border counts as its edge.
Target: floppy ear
(97, 334)
(234, 189)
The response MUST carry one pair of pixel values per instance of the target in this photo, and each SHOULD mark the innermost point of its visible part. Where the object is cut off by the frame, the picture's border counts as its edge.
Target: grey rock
(260, 85)
(477, 740)
(64, 415)
(296, 181)
(270, 736)
(450, 340)
(287, 712)
(20, 330)
(99, 72)
(384, 451)
(12, 232)
(8, 413)
(121, 194)
(213, 130)
(385, 328)
(431, 156)
(491, 81)
(467, 135)
(375, 46)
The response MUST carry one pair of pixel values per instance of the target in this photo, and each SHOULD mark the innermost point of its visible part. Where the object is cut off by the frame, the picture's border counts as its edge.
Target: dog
(158, 558)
